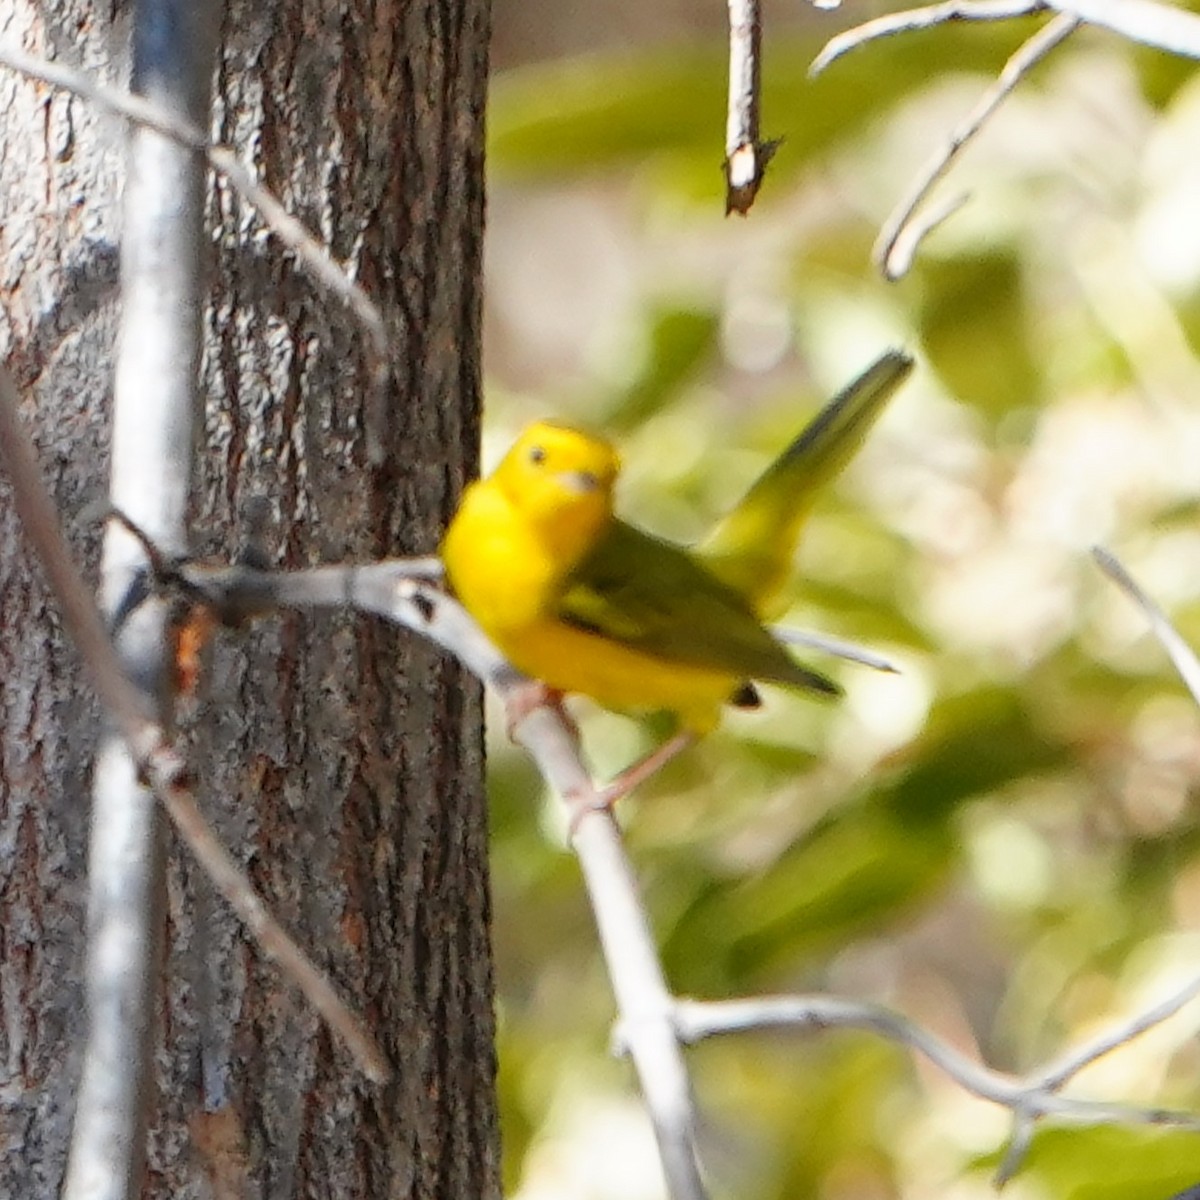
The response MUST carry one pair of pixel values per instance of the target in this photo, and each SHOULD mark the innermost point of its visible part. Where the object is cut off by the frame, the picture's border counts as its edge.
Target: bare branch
(310, 253)
(235, 592)
(129, 708)
(1162, 26)
(1071, 1064)
(155, 406)
(1147, 21)
(1018, 66)
(696, 1019)
(746, 156)
(827, 644)
(1182, 656)
(644, 1003)
(643, 1000)
(921, 18)
(137, 109)
(651, 1022)
(156, 759)
(171, 787)
(1024, 1126)
(1055, 1076)
(321, 266)
(919, 226)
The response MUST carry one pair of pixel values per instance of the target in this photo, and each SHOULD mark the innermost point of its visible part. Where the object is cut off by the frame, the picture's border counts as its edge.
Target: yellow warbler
(578, 599)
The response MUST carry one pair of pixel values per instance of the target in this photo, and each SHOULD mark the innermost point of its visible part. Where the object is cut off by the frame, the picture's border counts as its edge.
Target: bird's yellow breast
(496, 564)
(510, 582)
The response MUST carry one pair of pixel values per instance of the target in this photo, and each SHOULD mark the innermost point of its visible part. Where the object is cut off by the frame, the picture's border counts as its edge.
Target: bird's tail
(751, 549)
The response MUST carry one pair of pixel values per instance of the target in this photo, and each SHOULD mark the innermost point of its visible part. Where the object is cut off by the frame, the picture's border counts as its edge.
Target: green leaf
(1114, 1162)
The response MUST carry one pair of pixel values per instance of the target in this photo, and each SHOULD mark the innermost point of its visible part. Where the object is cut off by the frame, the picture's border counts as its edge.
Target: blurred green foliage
(1001, 841)
(586, 116)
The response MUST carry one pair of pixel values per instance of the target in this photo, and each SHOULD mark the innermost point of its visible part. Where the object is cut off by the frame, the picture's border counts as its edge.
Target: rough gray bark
(341, 759)
(59, 171)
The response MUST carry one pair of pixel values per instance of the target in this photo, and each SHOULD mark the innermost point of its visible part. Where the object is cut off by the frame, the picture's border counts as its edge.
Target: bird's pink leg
(530, 694)
(603, 799)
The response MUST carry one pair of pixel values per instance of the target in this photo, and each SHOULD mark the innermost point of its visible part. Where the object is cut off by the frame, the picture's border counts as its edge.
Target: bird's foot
(530, 694)
(603, 799)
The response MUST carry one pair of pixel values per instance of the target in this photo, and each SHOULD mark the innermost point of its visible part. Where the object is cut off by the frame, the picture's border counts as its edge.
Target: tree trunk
(340, 759)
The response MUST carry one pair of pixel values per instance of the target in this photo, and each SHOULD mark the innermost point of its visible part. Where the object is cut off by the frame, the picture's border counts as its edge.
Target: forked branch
(1146, 21)
(651, 1021)
(157, 759)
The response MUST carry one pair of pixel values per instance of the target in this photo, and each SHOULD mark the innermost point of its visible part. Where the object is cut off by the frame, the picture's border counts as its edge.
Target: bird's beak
(582, 482)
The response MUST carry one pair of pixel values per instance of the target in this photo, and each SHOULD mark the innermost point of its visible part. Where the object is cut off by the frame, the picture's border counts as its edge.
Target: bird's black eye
(537, 455)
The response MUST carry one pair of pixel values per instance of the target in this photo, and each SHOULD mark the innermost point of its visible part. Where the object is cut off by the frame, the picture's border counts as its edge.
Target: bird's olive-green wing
(652, 596)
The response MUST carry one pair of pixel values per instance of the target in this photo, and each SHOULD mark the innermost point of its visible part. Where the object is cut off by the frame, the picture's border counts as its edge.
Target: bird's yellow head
(561, 480)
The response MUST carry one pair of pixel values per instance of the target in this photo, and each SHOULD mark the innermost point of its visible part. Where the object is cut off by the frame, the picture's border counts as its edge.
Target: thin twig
(1057, 1074)
(1182, 656)
(166, 775)
(33, 505)
(746, 155)
(156, 758)
(312, 255)
(1020, 1138)
(920, 225)
(921, 18)
(1162, 26)
(827, 644)
(1023, 60)
(696, 1019)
